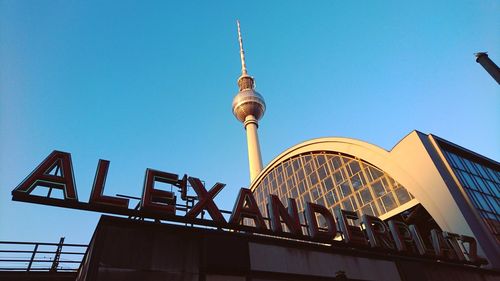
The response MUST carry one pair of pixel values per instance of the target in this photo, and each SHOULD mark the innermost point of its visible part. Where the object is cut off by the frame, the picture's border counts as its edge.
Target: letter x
(205, 200)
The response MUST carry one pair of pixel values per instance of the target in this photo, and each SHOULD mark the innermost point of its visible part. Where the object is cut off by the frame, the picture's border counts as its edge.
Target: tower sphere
(248, 102)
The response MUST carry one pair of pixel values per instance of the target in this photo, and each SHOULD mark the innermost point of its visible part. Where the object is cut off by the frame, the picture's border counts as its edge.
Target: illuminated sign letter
(419, 242)
(441, 247)
(96, 196)
(55, 171)
(246, 207)
(402, 236)
(351, 234)
(452, 239)
(377, 232)
(156, 199)
(277, 212)
(311, 211)
(205, 200)
(471, 250)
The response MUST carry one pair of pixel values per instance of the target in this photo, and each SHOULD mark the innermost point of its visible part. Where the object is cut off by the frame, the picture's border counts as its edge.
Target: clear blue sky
(150, 85)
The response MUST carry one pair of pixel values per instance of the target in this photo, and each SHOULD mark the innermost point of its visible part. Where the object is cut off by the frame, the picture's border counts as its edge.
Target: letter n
(56, 171)
(290, 217)
(246, 207)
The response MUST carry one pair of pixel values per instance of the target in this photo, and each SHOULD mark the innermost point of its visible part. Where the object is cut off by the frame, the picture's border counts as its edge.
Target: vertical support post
(32, 257)
(57, 255)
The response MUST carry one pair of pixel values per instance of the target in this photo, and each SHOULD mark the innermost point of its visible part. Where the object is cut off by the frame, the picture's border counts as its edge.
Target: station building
(424, 180)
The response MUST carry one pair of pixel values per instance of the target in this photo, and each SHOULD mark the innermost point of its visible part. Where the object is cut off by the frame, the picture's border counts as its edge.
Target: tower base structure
(125, 249)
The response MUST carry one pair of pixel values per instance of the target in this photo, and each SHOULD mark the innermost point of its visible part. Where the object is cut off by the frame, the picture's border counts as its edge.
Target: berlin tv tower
(248, 108)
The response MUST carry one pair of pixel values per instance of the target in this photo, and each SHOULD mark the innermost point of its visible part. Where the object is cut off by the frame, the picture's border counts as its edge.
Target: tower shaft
(254, 156)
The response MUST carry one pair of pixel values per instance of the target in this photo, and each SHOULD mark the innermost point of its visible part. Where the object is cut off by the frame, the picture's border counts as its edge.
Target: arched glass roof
(333, 180)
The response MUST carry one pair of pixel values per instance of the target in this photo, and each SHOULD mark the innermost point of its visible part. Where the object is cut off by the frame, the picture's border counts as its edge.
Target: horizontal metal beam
(28, 260)
(41, 252)
(42, 244)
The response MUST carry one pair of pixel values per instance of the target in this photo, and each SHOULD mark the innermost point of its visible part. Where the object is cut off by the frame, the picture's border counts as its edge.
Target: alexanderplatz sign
(393, 237)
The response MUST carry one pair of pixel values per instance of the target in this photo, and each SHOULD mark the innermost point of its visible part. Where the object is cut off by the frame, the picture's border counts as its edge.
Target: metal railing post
(32, 257)
(57, 255)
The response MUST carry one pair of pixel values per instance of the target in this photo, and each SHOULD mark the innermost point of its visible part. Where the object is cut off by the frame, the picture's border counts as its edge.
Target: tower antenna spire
(242, 52)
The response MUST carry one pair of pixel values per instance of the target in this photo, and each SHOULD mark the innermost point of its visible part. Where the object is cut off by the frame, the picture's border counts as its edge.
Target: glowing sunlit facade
(458, 188)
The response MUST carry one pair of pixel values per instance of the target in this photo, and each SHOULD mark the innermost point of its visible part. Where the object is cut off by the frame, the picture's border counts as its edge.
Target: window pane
(308, 169)
(300, 174)
(494, 204)
(330, 199)
(403, 195)
(388, 201)
(457, 161)
(367, 210)
(482, 185)
(296, 164)
(375, 173)
(302, 187)
(345, 188)
(346, 205)
(321, 159)
(357, 182)
(322, 172)
(315, 193)
(378, 188)
(481, 170)
(289, 171)
(366, 196)
(314, 178)
(468, 181)
(307, 197)
(328, 183)
(482, 202)
(353, 202)
(338, 176)
(354, 166)
(335, 162)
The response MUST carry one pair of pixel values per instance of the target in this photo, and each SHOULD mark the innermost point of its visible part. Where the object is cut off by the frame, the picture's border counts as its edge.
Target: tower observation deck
(248, 108)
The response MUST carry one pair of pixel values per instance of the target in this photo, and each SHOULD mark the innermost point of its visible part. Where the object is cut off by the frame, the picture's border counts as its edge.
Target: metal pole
(57, 255)
(32, 257)
(483, 59)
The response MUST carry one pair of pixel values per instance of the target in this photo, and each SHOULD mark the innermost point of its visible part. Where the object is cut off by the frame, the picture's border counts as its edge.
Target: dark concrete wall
(123, 249)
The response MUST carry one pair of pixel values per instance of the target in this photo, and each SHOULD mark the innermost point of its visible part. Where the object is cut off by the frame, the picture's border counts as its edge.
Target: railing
(39, 256)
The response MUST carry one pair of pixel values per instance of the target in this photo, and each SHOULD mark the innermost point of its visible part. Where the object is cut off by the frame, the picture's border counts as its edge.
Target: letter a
(57, 161)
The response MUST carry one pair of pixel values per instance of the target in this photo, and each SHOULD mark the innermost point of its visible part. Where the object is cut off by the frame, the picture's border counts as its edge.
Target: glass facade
(482, 185)
(333, 180)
